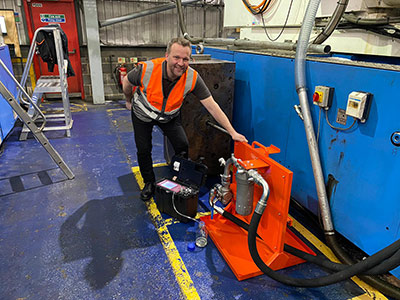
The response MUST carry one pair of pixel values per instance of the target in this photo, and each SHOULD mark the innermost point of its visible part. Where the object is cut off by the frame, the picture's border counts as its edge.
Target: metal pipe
(258, 179)
(142, 13)
(333, 22)
(217, 127)
(301, 86)
(226, 180)
(213, 194)
(370, 22)
(264, 44)
(392, 2)
(280, 46)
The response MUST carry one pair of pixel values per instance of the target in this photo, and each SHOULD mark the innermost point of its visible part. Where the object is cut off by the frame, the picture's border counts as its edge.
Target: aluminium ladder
(49, 84)
(29, 122)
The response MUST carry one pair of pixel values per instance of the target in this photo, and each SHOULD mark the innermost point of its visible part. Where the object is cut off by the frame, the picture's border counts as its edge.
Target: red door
(62, 12)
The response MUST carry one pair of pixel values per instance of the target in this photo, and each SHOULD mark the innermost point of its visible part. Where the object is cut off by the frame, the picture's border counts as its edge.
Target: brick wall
(110, 56)
(109, 59)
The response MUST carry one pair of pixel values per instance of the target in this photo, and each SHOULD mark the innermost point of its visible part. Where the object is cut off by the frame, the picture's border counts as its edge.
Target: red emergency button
(315, 97)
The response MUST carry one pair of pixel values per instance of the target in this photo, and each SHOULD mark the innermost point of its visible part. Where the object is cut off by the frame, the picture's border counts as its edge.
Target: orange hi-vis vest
(150, 97)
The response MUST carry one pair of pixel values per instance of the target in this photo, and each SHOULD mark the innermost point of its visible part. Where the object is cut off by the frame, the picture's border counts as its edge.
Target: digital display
(168, 185)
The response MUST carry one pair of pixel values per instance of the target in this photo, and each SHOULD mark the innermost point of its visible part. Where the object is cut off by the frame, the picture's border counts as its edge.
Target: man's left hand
(239, 137)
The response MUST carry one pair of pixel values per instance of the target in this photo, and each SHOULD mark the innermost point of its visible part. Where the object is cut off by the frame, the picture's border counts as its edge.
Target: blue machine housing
(7, 118)
(365, 202)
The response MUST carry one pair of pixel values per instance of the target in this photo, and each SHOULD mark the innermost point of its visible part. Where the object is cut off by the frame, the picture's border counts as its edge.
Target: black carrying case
(188, 176)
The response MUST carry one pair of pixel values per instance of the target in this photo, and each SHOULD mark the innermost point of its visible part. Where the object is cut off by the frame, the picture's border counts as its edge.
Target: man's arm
(130, 80)
(127, 90)
(214, 109)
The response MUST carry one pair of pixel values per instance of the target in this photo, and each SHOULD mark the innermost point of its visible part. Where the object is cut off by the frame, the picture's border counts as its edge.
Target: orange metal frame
(231, 240)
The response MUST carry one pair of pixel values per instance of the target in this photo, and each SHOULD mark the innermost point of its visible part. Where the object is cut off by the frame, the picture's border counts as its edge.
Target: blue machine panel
(7, 118)
(365, 202)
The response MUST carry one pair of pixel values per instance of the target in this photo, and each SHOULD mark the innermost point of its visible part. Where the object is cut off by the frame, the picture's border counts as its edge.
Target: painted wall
(365, 202)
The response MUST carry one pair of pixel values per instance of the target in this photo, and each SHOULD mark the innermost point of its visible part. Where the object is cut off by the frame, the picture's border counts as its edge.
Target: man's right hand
(128, 105)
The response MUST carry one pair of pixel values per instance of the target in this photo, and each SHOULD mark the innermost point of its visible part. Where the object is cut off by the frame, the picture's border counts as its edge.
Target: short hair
(180, 41)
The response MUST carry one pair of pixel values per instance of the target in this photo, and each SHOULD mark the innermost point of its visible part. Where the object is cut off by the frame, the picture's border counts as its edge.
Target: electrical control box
(323, 96)
(358, 105)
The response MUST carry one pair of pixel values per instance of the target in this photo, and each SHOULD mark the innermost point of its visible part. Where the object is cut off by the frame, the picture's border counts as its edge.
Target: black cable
(259, 10)
(284, 25)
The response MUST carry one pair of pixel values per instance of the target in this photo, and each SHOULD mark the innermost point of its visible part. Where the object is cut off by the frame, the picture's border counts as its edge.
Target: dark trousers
(143, 139)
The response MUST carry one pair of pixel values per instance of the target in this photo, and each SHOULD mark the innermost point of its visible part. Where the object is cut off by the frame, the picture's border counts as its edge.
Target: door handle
(72, 52)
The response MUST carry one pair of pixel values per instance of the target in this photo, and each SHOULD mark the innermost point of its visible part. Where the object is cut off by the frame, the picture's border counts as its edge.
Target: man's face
(177, 61)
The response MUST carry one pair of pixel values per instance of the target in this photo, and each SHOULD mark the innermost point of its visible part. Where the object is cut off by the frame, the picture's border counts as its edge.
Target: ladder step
(53, 128)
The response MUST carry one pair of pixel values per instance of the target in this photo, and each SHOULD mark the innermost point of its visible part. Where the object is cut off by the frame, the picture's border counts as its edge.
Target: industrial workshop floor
(93, 238)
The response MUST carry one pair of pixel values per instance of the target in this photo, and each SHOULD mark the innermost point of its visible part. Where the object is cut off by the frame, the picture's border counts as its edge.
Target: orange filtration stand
(231, 240)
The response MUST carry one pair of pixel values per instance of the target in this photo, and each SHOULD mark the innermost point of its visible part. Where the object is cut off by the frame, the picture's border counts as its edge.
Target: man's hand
(239, 137)
(128, 105)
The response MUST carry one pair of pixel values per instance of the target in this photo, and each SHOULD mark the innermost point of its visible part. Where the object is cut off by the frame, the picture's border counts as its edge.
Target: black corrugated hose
(381, 285)
(379, 263)
(348, 272)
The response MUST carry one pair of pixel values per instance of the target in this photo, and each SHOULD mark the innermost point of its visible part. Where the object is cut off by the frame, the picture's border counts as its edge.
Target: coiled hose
(346, 271)
(380, 263)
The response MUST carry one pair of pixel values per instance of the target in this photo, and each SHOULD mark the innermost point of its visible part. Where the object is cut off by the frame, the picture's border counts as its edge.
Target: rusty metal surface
(205, 141)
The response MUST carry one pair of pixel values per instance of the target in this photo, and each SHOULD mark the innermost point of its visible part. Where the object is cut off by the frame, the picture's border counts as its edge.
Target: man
(161, 85)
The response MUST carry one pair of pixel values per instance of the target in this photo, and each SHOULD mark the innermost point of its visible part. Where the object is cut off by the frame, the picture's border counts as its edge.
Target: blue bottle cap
(191, 247)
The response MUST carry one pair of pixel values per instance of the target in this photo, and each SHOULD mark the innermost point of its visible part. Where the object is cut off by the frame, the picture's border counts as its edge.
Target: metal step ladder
(49, 84)
(29, 122)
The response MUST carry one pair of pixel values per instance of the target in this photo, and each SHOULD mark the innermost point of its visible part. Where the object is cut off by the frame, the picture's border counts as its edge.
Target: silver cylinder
(244, 193)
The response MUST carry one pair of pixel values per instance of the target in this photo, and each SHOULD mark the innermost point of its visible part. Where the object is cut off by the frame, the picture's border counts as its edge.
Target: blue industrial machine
(361, 162)
(7, 117)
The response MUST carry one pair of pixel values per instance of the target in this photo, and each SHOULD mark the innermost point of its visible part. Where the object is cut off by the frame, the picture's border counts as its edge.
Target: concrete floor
(93, 238)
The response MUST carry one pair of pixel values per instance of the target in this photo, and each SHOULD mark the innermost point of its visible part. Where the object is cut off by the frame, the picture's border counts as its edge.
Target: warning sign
(52, 18)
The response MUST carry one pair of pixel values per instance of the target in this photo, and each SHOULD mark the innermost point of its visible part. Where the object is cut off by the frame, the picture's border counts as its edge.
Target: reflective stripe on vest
(151, 97)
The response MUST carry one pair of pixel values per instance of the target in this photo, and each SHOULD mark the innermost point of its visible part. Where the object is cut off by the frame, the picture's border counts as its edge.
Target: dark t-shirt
(200, 90)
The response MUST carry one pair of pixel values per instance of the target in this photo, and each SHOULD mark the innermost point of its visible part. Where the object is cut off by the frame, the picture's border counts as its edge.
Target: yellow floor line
(181, 273)
(370, 292)
(171, 221)
(115, 109)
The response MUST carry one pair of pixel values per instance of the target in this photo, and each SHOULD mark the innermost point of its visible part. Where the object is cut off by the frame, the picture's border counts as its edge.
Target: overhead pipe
(249, 44)
(333, 22)
(370, 22)
(241, 42)
(280, 46)
(301, 86)
(392, 2)
(143, 13)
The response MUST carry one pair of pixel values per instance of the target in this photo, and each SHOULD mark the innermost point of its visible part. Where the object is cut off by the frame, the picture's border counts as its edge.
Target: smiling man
(162, 85)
